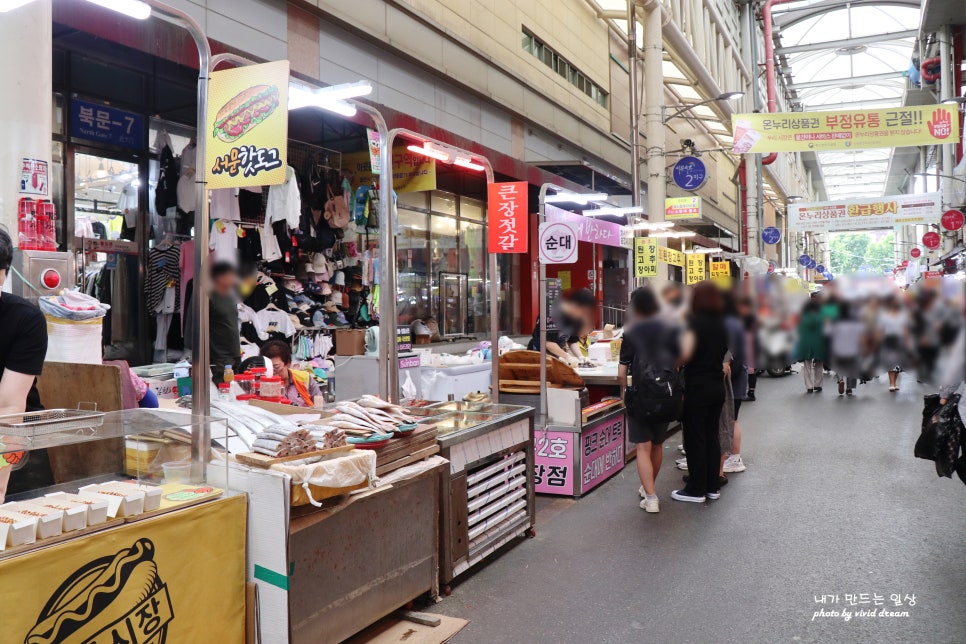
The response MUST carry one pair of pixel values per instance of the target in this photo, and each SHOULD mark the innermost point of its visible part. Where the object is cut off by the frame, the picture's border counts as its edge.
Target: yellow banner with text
(176, 577)
(845, 129)
(695, 270)
(645, 257)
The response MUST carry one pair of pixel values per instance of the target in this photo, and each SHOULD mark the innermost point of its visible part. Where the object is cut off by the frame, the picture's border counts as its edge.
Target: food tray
(51, 421)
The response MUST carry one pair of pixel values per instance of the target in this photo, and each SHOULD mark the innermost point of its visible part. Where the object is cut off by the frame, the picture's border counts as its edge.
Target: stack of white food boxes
(26, 522)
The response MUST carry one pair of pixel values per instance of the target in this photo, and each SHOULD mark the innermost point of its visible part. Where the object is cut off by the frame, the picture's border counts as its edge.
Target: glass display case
(132, 464)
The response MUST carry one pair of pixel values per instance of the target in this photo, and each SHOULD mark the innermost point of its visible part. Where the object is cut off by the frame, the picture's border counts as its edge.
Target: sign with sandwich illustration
(143, 582)
(248, 125)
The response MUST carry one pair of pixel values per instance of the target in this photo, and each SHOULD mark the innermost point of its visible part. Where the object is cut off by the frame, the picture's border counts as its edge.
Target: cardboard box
(350, 342)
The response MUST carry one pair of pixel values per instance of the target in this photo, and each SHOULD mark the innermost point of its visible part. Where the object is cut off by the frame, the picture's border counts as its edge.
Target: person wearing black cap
(576, 313)
(23, 348)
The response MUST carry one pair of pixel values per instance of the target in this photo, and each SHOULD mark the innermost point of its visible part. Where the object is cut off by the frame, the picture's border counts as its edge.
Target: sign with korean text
(554, 287)
(695, 269)
(857, 214)
(601, 452)
(951, 219)
(557, 242)
(771, 235)
(411, 172)
(248, 126)
(33, 177)
(670, 256)
(931, 240)
(932, 275)
(138, 583)
(721, 273)
(845, 129)
(682, 208)
(689, 173)
(507, 230)
(589, 229)
(645, 257)
(375, 147)
(404, 339)
(553, 463)
(105, 124)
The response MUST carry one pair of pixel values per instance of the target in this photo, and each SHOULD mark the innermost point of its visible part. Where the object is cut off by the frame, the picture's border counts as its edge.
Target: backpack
(656, 394)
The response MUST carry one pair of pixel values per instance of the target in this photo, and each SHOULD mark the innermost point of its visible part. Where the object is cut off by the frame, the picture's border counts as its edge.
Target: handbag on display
(336, 211)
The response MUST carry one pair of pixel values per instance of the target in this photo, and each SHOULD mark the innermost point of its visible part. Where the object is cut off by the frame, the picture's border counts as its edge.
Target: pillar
(26, 43)
(654, 116)
(946, 92)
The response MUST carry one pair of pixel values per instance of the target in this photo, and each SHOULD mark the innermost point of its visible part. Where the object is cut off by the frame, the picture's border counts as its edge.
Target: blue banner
(104, 124)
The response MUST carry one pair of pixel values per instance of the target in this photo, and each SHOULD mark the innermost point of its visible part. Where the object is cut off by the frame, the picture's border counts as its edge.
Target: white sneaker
(650, 505)
(681, 448)
(713, 496)
(734, 464)
(682, 464)
(679, 495)
(641, 492)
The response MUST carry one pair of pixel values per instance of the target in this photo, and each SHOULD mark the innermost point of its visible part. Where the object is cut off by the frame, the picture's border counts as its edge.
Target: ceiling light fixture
(566, 196)
(704, 251)
(674, 234)
(652, 225)
(613, 210)
(131, 8)
(330, 98)
(463, 162)
(427, 150)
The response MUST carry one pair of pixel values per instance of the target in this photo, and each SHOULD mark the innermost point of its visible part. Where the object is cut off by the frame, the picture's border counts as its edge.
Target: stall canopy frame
(392, 350)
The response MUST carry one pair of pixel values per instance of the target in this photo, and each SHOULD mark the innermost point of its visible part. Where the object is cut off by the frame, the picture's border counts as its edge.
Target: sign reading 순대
(248, 121)
(845, 130)
(507, 217)
(645, 257)
(857, 214)
(558, 243)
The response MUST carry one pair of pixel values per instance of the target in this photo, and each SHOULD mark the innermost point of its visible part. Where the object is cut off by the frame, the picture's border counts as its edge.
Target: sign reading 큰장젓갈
(645, 257)
(846, 129)
(682, 208)
(507, 217)
(248, 121)
(857, 214)
(558, 243)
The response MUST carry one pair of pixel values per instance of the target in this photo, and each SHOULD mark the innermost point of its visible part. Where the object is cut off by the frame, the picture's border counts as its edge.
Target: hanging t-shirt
(187, 194)
(127, 203)
(284, 201)
(164, 272)
(224, 204)
(223, 242)
(276, 321)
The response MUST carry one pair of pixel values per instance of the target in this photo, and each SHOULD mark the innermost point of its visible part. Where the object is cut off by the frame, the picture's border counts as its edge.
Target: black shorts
(645, 432)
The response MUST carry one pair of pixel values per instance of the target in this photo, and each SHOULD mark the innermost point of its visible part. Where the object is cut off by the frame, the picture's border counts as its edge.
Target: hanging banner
(138, 583)
(645, 257)
(375, 147)
(507, 217)
(682, 208)
(695, 268)
(670, 256)
(248, 121)
(846, 129)
(410, 172)
(857, 214)
(721, 273)
(589, 229)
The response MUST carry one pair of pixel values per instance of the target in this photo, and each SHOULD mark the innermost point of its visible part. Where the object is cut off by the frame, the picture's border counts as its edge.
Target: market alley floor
(833, 503)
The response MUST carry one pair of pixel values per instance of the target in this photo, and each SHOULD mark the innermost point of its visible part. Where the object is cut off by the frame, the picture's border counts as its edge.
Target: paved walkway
(833, 503)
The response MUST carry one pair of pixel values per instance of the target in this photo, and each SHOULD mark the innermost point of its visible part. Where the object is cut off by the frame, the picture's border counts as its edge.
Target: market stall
(488, 493)
(110, 548)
